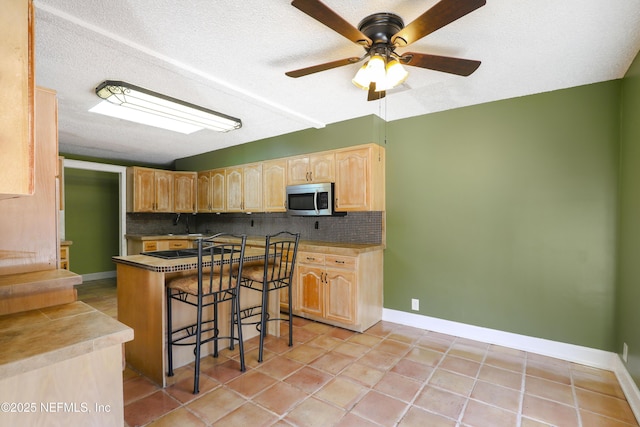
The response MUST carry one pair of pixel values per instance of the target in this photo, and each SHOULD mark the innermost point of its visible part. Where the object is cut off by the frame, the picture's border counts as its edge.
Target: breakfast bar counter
(141, 297)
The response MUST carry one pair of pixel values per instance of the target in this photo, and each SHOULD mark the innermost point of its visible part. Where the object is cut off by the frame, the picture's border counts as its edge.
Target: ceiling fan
(380, 34)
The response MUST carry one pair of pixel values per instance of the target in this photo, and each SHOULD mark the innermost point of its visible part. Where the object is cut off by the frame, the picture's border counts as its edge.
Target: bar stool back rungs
(274, 274)
(212, 285)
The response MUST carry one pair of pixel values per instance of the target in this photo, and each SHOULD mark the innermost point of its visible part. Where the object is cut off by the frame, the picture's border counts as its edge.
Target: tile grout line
(522, 388)
(475, 381)
(575, 396)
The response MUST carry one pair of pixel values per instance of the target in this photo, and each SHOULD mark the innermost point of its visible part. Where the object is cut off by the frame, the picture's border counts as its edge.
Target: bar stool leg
(290, 317)
(263, 319)
(236, 309)
(169, 334)
(196, 375)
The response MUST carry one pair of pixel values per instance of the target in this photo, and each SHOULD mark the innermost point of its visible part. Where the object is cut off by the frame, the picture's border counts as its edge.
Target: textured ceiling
(231, 56)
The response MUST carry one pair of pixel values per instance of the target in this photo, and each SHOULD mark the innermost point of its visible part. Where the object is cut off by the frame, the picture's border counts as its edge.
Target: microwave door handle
(315, 202)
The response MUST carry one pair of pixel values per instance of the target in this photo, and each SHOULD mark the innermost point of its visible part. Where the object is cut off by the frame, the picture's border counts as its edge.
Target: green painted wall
(363, 130)
(500, 215)
(503, 215)
(628, 313)
(91, 219)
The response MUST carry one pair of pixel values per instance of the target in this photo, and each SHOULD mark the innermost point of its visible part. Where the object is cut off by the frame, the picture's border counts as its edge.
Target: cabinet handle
(310, 176)
(339, 261)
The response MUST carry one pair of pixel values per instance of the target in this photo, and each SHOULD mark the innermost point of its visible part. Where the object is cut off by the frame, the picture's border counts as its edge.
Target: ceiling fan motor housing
(380, 27)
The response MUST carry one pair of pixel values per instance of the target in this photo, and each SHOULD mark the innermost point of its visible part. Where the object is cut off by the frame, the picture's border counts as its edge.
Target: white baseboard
(570, 352)
(98, 276)
(629, 387)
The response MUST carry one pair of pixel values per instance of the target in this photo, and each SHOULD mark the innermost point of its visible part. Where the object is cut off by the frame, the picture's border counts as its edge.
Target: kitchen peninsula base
(141, 297)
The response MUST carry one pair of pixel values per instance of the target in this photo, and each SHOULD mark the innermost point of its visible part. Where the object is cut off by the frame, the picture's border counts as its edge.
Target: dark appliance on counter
(176, 253)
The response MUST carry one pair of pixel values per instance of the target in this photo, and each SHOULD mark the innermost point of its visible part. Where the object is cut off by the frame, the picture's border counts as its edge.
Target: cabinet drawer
(64, 252)
(178, 244)
(149, 246)
(310, 258)
(341, 261)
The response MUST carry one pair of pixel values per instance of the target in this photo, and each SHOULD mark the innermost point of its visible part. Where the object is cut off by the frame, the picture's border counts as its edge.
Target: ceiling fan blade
(443, 13)
(372, 95)
(322, 67)
(320, 12)
(461, 67)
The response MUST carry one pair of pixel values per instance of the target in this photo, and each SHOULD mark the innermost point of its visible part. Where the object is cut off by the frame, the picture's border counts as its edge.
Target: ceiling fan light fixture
(372, 71)
(396, 74)
(386, 75)
(154, 107)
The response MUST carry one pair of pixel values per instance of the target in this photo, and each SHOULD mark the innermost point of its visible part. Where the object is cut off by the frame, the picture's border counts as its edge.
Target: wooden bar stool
(274, 274)
(212, 285)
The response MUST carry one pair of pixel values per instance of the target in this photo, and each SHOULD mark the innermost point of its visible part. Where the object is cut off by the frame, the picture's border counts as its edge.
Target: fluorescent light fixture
(133, 103)
(386, 75)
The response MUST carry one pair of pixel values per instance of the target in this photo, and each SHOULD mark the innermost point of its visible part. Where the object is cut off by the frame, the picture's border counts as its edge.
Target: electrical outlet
(415, 304)
(625, 352)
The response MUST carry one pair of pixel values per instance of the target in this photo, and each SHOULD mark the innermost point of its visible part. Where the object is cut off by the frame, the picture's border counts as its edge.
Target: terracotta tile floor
(391, 375)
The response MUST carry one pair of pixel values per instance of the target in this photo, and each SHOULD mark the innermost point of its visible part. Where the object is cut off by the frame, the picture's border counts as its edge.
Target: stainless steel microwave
(310, 199)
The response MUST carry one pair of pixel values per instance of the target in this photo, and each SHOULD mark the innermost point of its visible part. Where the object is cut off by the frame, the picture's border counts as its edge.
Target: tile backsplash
(355, 227)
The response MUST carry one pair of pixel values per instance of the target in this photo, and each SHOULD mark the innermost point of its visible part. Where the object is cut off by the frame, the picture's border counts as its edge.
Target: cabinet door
(298, 170)
(322, 167)
(309, 290)
(204, 192)
(353, 177)
(184, 196)
(252, 181)
(144, 190)
(218, 190)
(274, 185)
(164, 191)
(17, 164)
(340, 295)
(233, 178)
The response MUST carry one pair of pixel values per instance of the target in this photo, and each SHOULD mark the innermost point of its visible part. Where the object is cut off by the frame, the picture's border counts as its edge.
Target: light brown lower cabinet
(344, 291)
(135, 246)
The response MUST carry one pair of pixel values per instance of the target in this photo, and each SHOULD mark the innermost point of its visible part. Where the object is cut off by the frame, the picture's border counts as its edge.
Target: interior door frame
(122, 175)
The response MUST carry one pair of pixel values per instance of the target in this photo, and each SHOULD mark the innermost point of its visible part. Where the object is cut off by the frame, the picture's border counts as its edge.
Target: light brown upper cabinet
(211, 191)
(185, 193)
(17, 167)
(233, 180)
(244, 188)
(319, 167)
(204, 191)
(149, 190)
(274, 185)
(360, 179)
(252, 187)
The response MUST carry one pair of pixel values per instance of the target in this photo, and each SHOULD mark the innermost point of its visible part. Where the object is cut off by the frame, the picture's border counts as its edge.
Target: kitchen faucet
(177, 219)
